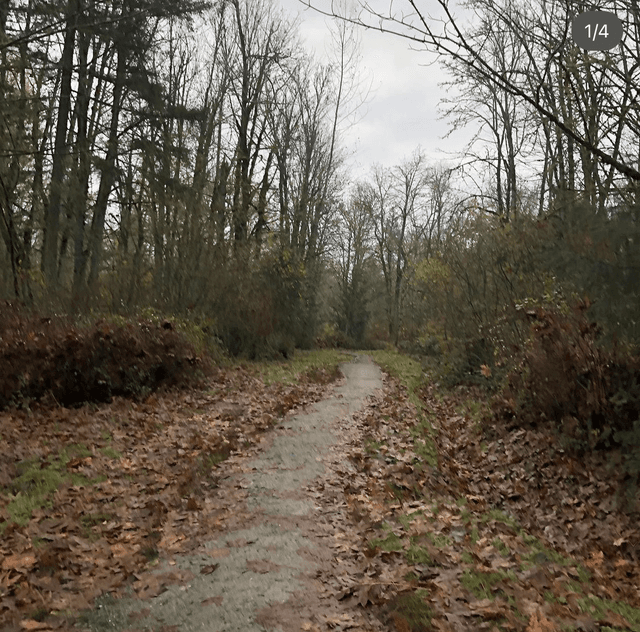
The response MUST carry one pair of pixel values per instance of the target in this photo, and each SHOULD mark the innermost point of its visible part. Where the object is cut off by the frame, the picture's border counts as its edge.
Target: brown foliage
(500, 535)
(589, 391)
(50, 356)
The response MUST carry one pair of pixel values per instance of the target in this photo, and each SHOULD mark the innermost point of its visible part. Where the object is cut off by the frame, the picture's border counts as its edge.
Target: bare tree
(353, 255)
(445, 34)
(398, 197)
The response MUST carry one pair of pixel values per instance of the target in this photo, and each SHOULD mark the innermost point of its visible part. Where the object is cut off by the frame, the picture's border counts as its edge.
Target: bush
(51, 356)
(590, 393)
(461, 362)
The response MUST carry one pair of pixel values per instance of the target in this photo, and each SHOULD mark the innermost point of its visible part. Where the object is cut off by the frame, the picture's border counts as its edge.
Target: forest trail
(271, 566)
(261, 505)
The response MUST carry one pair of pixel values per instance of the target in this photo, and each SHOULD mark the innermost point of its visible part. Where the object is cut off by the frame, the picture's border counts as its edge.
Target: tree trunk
(83, 172)
(108, 174)
(52, 214)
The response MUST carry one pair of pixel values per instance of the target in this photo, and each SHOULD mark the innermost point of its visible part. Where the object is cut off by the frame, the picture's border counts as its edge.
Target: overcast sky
(402, 111)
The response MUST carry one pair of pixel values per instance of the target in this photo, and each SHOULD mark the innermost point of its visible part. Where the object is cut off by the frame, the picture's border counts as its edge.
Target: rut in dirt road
(261, 572)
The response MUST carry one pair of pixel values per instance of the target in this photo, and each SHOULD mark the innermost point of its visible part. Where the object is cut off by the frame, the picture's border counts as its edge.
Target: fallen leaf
(207, 570)
(31, 624)
(539, 623)
(17, 562)
(262, 566)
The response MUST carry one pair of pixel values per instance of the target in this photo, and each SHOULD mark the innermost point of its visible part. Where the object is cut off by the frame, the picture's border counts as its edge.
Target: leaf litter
(507, 532)
(141, 490)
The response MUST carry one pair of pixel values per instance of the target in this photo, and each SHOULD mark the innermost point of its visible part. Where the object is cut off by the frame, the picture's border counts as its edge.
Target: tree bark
(52, 213)
(108, 174)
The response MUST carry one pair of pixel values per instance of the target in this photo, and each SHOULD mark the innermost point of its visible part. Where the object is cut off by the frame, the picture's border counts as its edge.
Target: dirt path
(273, 566)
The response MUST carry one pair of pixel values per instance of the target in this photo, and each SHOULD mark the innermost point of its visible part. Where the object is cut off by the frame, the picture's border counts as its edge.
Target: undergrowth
(52, 357)
(566, 377)
(411, 375)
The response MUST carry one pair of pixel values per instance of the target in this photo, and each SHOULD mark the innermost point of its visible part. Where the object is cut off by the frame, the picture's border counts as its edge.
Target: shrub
(40, 356)
(461, 362)
(589, 392)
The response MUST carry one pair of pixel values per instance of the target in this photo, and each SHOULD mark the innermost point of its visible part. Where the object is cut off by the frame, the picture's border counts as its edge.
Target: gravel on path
(271, 568)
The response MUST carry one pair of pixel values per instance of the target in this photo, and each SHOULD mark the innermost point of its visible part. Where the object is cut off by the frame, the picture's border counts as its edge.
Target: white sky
(401, 112)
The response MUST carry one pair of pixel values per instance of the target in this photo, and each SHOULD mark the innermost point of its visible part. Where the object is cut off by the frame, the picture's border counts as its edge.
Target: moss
(38, 480)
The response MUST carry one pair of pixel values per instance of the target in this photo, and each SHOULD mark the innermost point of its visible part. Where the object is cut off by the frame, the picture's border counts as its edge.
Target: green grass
(88, 521)
(208, 460)
(500, 546)
(583, 574)
(371, 447)
(406, 519)
(540, 554)
(500, 516)
(597, 609)
(482, 584)
(426, 450)
(38, 480)
(111, 453)
(389, 543)
(440, 540)
(400, 366)
(287, 372)
(418, 555)
(410, 374)
(413, 610)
